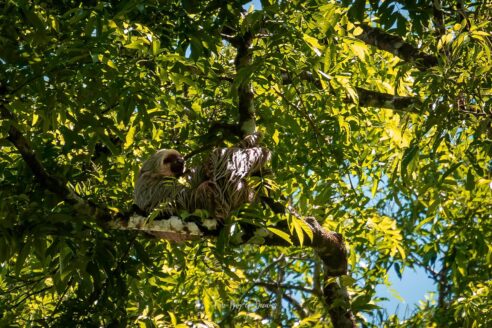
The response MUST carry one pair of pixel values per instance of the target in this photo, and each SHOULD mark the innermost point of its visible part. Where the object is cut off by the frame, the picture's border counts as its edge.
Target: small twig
(22, 285)
(299, 308)
(262, 272)
(96, 295)
(277, 290)
(298, 109)
(434, 274)
(287, 286)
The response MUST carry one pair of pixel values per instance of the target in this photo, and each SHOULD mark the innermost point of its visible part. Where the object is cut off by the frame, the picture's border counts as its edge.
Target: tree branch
(301, 110)
(20, 142)
(331, 249)
(299, 308)
(28, 295)
(397, 46)
(47, 181)
(438, 18)
(285, 286)
(274, 288)
(246, 106)
(328, 244)
(368, 98)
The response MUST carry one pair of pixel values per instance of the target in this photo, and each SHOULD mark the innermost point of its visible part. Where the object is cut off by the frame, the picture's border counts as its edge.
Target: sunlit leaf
(281, 234)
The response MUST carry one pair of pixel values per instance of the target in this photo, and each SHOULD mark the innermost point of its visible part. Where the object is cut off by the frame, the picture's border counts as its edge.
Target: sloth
(157, 180)
(219, 185)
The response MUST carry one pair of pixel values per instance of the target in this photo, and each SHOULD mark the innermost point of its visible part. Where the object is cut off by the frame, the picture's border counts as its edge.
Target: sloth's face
(172, 163)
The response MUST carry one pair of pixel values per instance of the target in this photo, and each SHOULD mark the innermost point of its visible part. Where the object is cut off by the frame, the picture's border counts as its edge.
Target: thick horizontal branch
(366, 98)
(382, 40)
(397, 46)
(408, 104)
(369, 98)
(328, 245)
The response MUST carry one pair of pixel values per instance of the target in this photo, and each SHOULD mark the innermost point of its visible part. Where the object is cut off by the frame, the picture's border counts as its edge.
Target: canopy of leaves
(96, 87)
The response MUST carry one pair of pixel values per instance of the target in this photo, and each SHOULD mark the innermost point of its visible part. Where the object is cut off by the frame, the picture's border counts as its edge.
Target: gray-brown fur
(219, 185)
(157, 182)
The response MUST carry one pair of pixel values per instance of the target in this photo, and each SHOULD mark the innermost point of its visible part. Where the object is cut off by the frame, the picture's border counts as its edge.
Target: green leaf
(374, 188)
(450, 170)
(25, 248)
(314, 44)
(129, 137)
(174, 322)
(281, 234)
(357, 10)
(358, 31)
(401, 251)
(470, 180)
(310, 321)
(275, 137)
(156, 47)
(409, 156)
(105, 60)
(305, 229)
(395, 294)
(298, 230)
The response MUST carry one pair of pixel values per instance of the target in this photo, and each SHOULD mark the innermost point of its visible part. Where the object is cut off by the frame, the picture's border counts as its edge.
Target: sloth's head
(164, 163)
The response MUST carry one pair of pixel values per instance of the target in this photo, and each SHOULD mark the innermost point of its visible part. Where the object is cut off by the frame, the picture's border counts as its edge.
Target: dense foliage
(98, 86)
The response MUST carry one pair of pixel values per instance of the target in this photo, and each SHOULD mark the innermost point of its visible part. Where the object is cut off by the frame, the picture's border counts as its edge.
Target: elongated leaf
(281, 234)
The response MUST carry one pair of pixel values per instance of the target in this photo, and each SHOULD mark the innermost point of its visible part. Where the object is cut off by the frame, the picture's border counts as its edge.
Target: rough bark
(397, 46)
(245, 94)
